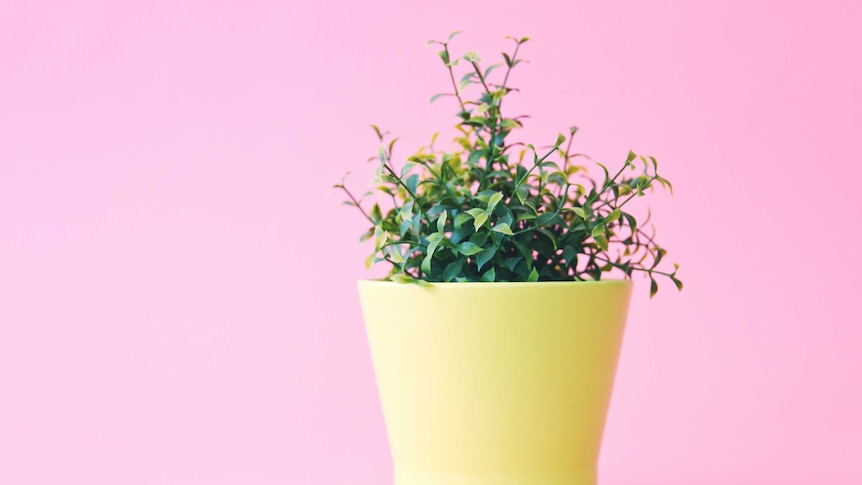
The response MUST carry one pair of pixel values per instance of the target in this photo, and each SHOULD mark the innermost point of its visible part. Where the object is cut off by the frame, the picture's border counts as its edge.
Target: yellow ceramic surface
(495, 383)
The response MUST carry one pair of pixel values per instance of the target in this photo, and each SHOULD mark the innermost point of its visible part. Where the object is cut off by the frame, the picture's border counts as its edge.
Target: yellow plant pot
(495, 383)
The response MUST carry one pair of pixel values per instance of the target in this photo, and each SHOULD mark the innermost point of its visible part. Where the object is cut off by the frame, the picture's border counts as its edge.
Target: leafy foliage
(494, 210)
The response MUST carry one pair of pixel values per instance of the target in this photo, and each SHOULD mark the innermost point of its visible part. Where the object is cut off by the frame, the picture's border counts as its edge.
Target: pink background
(177, 299)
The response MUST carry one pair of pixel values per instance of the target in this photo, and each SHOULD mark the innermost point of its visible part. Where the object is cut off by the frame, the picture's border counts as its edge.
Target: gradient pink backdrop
(177, 300)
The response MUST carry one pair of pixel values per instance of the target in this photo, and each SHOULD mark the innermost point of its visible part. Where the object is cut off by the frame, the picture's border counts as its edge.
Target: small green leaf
(613, 216)
(475, 212)
(545, 218)
(598, 230)
(407, 168)
(445, 56)
(438, 96)
(570, 254)
(521, 192)
(402, 279)
(461, 218)
(376, 215)
(602, 241)
(579, 211)
(468, 249)
(489, 275)
(560, 139)
(395, 254)
(631, 156)
(472, 56)
(494, 200)
(491, 69)
(485, 256)
(534, 276)
(480, 220)
(411, 182)
(441, 222)
(452, 270)
(452, 35)
(426, 262)
(653, 287)
(503, 228)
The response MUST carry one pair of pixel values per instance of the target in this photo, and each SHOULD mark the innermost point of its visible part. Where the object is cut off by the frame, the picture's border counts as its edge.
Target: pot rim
(474, 284)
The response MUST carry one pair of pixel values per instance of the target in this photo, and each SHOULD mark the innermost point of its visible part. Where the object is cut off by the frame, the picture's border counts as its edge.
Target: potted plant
(495, 338)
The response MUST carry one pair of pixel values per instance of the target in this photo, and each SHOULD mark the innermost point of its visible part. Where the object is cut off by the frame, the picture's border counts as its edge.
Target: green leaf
(453, 269)
(598, 230)
(407, 168)
(570, 254)
(503, 228)
(521, 192)
(653, 287)
(395, 254)
(602, 242)
(534, 276)
(480, 220)
(491, 69)
(432, 248)
(468, 249)
(479, 238)
(441, 222)
(452, 35)
(472, 56)
(402, 279)
(379, 133)
(476, 121)
(445, 56)
(631, 156)
(475, 212)
(485, 256)
(376, 215)
(461, 218)
(438, 96)
(545, 218)
(494, 200)
(677, 282)
(411, 182)
(613, 216)
(579, 211)
(381, 153)
(560, 139)
(489, 275)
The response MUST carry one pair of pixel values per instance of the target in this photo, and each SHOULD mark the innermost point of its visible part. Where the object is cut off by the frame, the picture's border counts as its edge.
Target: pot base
(415, 477)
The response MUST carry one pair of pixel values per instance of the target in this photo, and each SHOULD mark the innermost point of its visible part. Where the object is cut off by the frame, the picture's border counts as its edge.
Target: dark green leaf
(484, 256)
(489, 275)
(452, 270)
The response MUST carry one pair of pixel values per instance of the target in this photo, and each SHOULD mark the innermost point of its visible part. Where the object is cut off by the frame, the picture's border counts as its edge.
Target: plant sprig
(477, 212)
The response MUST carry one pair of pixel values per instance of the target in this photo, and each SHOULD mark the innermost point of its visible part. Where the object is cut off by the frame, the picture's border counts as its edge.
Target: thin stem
(356, 203)
(452, 76)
